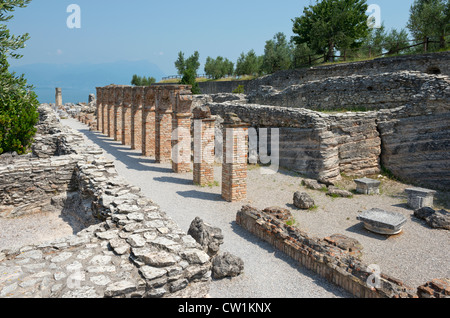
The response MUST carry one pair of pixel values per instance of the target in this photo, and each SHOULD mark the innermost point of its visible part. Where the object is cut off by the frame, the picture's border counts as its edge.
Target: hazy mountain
(79, 80)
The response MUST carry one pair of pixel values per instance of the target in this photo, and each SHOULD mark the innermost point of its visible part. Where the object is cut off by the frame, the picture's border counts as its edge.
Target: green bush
(18, 114)
(18, 103)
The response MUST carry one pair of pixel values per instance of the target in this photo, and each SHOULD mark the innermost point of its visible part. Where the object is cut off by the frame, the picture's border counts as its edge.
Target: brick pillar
(126, 115)
(136, 118)
(235, 156)
(103, 110)
(204, 137)
(163, 129)
(118, 97)
(181, 131)
(99, 109)
(110, 110)
(148, 122)
(181, 142)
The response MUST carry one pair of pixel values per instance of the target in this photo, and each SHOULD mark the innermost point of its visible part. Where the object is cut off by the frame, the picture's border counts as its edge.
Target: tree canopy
(18, 103)
(332, 24)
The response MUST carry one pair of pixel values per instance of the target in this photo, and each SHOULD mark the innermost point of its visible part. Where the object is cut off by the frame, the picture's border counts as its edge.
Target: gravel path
(415, 256)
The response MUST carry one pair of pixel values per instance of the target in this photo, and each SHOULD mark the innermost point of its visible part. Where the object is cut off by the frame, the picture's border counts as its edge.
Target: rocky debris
(303, 201)
(336, 192)
(313, 184)
(201, 112)
(209, 237)
(227, 265)
(348, 244)
(435, 219)
(437, 288)
(279, 213)
(133, 250)
(330, 260)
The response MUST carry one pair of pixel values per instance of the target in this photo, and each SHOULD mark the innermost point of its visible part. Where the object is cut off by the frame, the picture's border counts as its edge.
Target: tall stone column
(126, 115)
(163, 136)
(58, 97)
(181, 132)
(235, 157)
(118, 97)
(204, 142)
(104, 106)
(136, 117)
(148, 122)
(99, 109)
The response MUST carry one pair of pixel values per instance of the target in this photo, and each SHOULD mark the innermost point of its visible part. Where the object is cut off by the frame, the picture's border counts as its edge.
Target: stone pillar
(118, 98)
(103, 110)
(163, 136)
(204, 142)
(58, 97)
(126, 115)
(235, 157)
(148, 122)
(136, 118)
(99, 109)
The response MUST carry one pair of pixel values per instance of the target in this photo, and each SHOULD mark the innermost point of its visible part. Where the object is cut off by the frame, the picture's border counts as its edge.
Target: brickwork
(148, 122)
(181, 142)
(163, 132)
(325, 258)
(111, 101)
(136, 118)
(204, 136)
(99, 109)
(118, 92)
(234, 167)
(126, 115)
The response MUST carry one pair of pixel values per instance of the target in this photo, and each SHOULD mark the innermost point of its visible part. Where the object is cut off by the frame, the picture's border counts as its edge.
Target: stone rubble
(133, 250)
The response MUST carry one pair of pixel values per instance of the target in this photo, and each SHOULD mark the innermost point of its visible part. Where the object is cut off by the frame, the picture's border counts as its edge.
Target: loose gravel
(416, 256)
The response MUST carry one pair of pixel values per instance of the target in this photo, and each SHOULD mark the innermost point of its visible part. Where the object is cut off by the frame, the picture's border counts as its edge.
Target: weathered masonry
(125, 246)
(157, 121)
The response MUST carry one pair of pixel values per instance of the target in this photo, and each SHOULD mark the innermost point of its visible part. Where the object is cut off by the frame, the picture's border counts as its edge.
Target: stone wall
(318, 145)
(129, 247)
(354, 92)
(221, 87)
(431, 63)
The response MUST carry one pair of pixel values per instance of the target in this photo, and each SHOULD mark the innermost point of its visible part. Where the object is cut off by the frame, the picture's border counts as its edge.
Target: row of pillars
(157, 121)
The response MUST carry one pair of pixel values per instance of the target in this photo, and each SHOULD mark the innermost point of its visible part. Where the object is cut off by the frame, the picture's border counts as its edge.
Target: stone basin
(383, 222)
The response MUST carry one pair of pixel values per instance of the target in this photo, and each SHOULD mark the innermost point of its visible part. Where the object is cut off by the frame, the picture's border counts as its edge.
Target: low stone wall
(130, 248)
(221, 87)
(354, 92)
(328, 260)
(431, 63)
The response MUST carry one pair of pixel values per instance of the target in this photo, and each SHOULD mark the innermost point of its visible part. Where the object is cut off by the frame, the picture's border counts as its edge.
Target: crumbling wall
(323, 257)
(432, 63)
(129, 247)
(354, 92)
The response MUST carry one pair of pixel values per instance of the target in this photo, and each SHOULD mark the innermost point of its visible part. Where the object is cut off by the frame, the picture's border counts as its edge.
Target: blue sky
(113, 30)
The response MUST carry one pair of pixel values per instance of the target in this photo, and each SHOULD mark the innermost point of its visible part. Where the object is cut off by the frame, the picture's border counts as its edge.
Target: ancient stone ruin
(324, 124)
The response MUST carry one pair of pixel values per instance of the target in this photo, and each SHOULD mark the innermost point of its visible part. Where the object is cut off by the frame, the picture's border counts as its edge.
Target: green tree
(277, 54)
(395, 41)
(188, 69)
(332, 24)
(248, 64)
(374, 43)
(428, 19)
(302, 55)
(142, 81)
(219, 67)
(18, 103)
